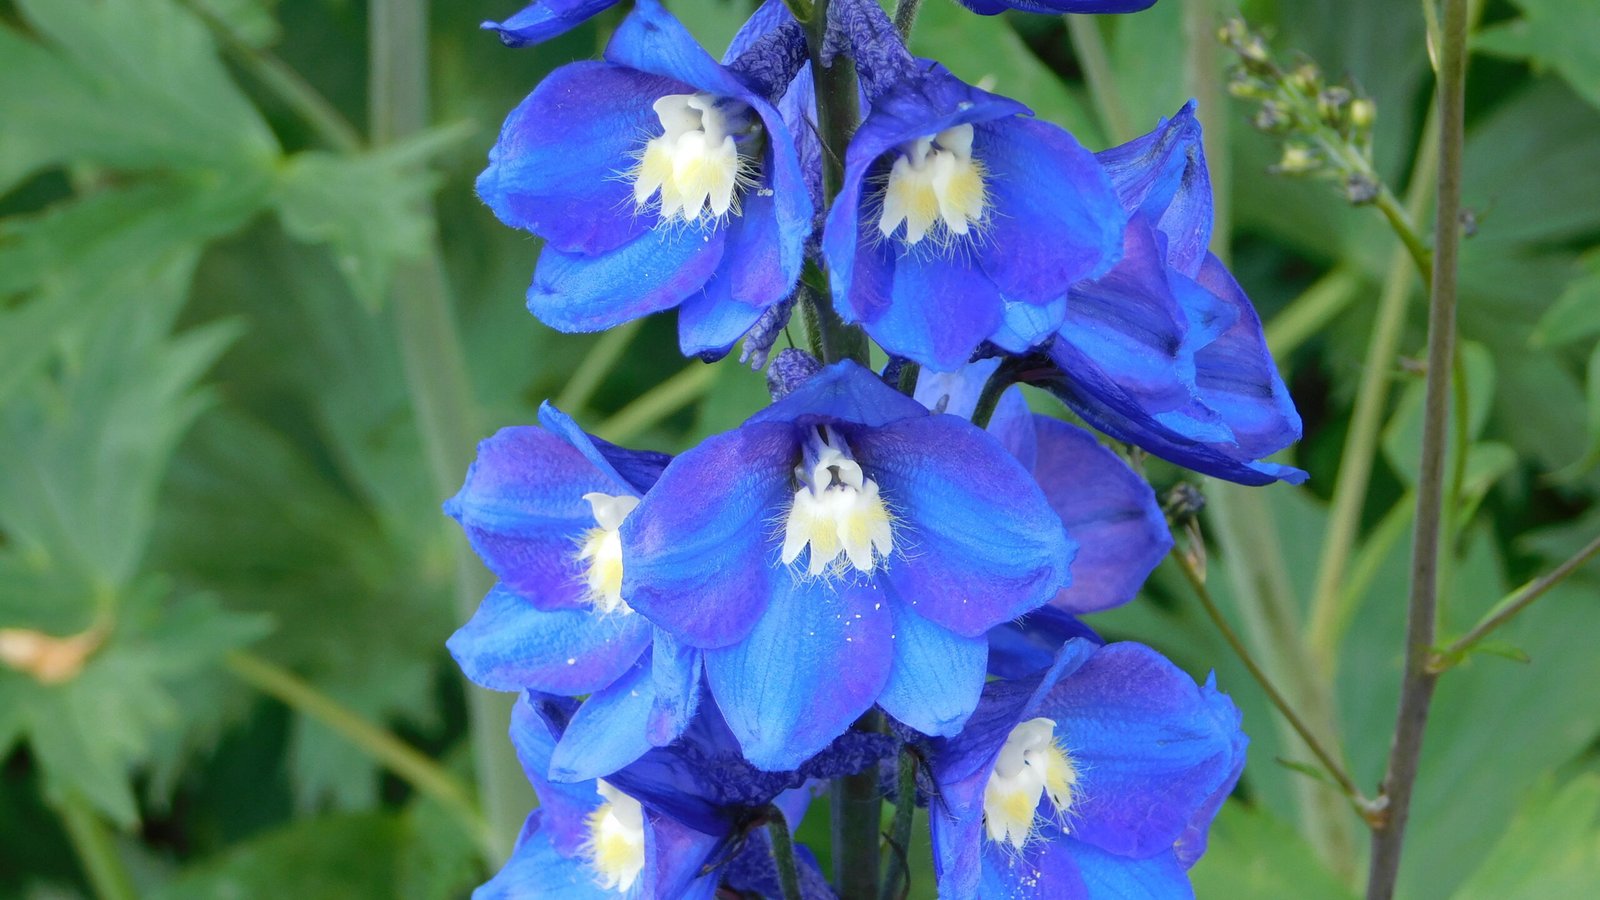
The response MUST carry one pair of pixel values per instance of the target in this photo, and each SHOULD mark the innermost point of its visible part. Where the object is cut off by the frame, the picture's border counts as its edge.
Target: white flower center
(1031, 765)
(837, 511)
(616, 839)
(601, 551)
(700, 161)
(934, 182)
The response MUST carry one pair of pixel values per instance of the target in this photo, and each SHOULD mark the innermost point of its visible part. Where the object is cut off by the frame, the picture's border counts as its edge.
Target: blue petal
(1237, 376)
(554, 170)
(937, 676)
(842, 392)
(538, 869)
(651, 40)
(1054, 218)
(812, 665)
(1032, 644)
(1107, 508)
(675, 855)
(523, 510)
(1192, 844)
(609, 730)
(1042, 871)
(975, 542)
(711, 322)
(697, 554)
(768, 17)
(565, 807)
(656, 270)
(1012, 425)
(1163, 175)
(637, 469)
(510, 645)
(1107, 876)
(545, 19)
(675, 668)
(941, 309)
(1150, 748)
(1024, 326)
(955, 393)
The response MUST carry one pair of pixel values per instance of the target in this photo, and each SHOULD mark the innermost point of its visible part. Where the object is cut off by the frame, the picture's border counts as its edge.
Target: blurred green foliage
(207, 439)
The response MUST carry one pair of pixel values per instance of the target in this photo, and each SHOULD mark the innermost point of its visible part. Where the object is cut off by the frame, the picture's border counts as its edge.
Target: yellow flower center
(615, 847)
(601, 551)
(837, 511)
(934, 186)
(1031, 765)
(696, 167)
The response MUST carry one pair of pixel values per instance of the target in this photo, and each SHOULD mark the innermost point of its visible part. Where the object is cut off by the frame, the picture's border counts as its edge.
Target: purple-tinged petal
(609, 730)
(1107, 508)
(565, 807)
(538, 869)
(1237, 376)
(1192, 844)
(842, 392)
(942, 308)
(711, 322)
(1024, 326)
(975, 542)
(656, 270)
(511, 645)
(555, 169)
(1054, 219)
(812, 665)
(651, 40)
(697, 552)
(545, 19)
(675, 855)
(1151, 749)
(1012, 424)
(1044, 870)
(768, 17)
(1107, 876)
(1163, 176)
(675, 669)
(523, 511)
(766, 241)
(1032, 644)
(635, 469)
(936, 677)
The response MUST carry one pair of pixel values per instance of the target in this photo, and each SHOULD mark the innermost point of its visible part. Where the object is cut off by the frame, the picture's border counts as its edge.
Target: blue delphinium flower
(542, 20)
(1165, 351)
(960, 219)
(658, 179)
(542, 507)
(1096, 778)
(650, 832)
(843, 547)
(1105, 506)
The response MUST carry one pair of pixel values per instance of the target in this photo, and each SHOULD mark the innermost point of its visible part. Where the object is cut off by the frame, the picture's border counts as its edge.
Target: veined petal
(936, 677)
(545, 19)
(554, 170)
(975, 543)
(1055, 219)
(651, 40)
(1163, 176)
(636, 469)
(511, 645)
(1107, 508)
(609, 730)
(675, 668)
(1151, 747)
(1237, 376)
(842, 392)
(813, 663)
(656, 270)
(698, 559)
(711, 322)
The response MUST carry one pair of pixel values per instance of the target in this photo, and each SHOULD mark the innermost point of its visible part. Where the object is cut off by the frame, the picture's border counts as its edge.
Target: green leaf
(129, 84)
(1576, 313)
(1253, 855)
(1551, 849)
(338, 857)
(1554, 34)
(368, 209)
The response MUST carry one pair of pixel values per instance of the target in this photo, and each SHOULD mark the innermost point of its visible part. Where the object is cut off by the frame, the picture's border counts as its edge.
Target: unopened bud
(1297, 160)
(1360, 189)
(1362, 113)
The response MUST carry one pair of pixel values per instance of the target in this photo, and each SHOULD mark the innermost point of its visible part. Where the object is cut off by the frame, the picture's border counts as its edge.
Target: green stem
(905, 17)
(783, 854)
(838, 113)
(405, 761)
(441, 392)
(856, 807)
(1089, 46)
(1310, 312)
(605, 352)
(1508, 608)
(655, 405)
(1366, 422)
(897, 883)
(1417, 685)
(96, 848)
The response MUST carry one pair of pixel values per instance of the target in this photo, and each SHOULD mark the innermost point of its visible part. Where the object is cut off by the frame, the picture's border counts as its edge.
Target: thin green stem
(585, 379)
(897, 881)
(1509, 607)
(1366, 421)
(410, 765)
(283, 82)
(96, 849)
(441, 393)
(1328, 758)
(1402, 221)
(856, 807)
(1417, 685)
(655, 405)
(783, 854)
(1310, 312)
(838, 114)
(905, 17)
(1089, 46)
